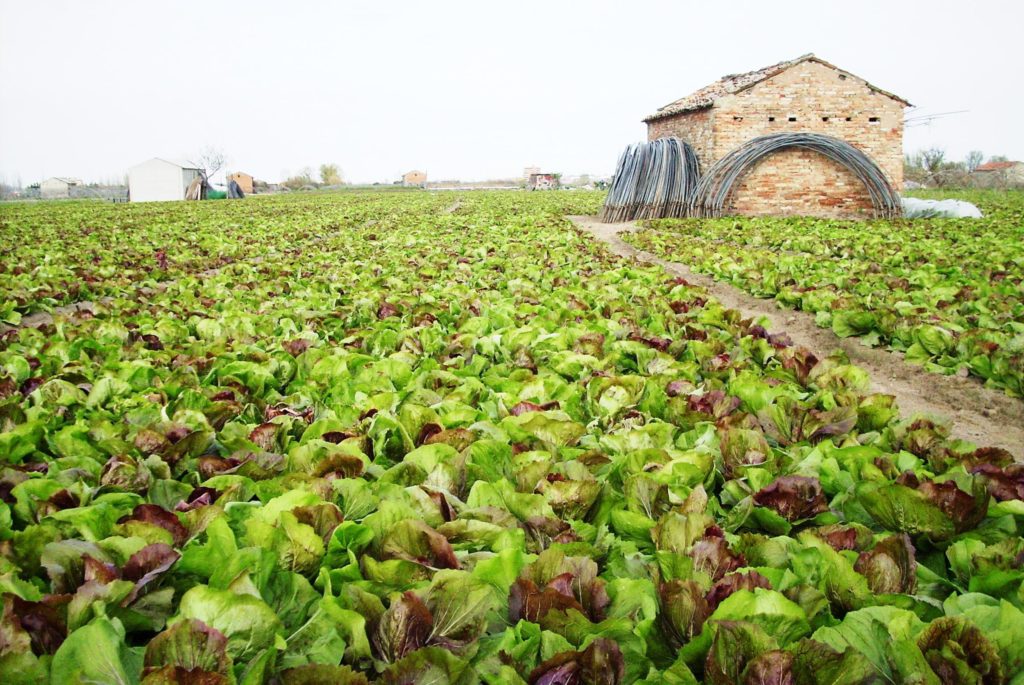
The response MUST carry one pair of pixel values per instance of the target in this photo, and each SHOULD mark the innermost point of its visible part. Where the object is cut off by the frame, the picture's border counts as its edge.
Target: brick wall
(798, 182)
(693, 127)
(820, 100)
(808, 97)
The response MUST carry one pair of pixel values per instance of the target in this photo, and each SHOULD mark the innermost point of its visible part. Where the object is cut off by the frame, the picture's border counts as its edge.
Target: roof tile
(733, 83)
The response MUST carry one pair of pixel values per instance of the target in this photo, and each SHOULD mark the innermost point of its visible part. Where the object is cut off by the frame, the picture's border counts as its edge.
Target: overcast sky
(468, 90)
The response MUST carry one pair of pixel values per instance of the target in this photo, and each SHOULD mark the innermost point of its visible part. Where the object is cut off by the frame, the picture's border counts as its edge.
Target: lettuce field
(421, 438)
(949, 293)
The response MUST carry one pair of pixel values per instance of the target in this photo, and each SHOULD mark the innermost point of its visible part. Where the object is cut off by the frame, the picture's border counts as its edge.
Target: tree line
(932, 168)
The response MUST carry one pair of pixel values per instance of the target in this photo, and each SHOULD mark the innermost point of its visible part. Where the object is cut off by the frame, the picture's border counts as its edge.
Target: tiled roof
(996, 166)
(734, 83)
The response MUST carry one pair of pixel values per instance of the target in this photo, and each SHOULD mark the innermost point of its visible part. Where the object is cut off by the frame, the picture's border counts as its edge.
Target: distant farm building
(999, 175)
(244, 181)
(414, 178)
(530, 171)
(157, 179)
(542, 181)
(57, 187)
(804, 95)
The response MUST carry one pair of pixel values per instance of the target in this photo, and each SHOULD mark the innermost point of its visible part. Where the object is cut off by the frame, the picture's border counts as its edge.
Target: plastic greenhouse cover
(916, 208)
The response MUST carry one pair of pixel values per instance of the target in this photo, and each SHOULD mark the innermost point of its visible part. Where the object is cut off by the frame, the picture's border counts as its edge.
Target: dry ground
(981, 415)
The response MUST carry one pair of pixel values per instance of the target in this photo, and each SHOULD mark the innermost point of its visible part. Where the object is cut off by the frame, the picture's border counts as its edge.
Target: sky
(467, 90)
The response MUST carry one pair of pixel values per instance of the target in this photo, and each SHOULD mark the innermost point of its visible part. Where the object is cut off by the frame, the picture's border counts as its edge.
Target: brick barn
(414, 178)
(806, 94)
(244, 181)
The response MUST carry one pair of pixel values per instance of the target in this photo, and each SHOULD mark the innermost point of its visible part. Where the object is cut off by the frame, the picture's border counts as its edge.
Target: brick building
(806, 94)
(999, 175)
(542, 181)
(414, 178)
(244, 181)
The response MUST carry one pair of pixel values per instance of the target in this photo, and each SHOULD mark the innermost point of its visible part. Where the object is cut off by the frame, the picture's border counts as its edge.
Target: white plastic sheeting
(916, 208)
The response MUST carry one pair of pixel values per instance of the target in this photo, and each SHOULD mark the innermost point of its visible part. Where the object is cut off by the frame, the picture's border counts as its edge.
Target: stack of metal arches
(652, 180)
(661, 178)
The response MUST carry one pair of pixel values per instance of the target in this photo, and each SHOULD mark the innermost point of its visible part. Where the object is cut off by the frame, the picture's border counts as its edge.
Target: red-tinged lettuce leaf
(906, 510)
(743, 447)
(323, 518)
(146, 565)
(965, 509)
(322, 674)
(795, 498)
(571, 576)
(733, 582)
(99, 571)
(158, 516)
(40, 625)
(601, 663)
(770, 668)
(190, 646)
(264, 436)
(528, 602)
(683, 608)
(713, 404)
(958, 652)
(736, 644)
(176, 675)
(819, 425)
(1003, 483)
(816, 662)
(123, 472)
(524, 407)
(415, 541)
(65, 563)
(459, 438)
(249, 624)
(845, 536)
(404, 628)
(712, 555)
(428, 665)
(799, 361)
(890, 566)
(993, 456)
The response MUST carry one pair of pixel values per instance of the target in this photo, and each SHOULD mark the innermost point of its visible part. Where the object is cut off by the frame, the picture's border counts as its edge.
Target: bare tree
(932, 159)
(974, 160)
(299, 180)
(932, 168)
(209, 161)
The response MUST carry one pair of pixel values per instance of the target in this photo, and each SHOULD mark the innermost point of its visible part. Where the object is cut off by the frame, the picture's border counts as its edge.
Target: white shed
(158, 179)
(57, 187)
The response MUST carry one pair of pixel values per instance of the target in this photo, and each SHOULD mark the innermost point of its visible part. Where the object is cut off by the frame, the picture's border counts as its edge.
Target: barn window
(842, 77)
(849, 118)
(737, 118)
(824, 118)
(792, 118)
(771, 118)
(874, 120)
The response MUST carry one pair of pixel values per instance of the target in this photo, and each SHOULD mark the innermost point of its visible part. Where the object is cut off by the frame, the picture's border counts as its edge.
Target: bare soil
(981, 415)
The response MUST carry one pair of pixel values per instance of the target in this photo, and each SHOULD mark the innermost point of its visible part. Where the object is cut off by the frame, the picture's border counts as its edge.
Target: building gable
(805, 95)
(732, 84)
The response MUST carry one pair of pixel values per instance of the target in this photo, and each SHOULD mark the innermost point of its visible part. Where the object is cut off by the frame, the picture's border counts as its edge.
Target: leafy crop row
(947, 293)
(397, 440)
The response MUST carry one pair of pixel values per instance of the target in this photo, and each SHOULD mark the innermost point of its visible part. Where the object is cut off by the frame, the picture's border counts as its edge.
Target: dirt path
(980, 415)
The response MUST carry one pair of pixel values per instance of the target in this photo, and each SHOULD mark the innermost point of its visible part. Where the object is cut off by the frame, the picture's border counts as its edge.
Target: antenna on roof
(927, 119)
